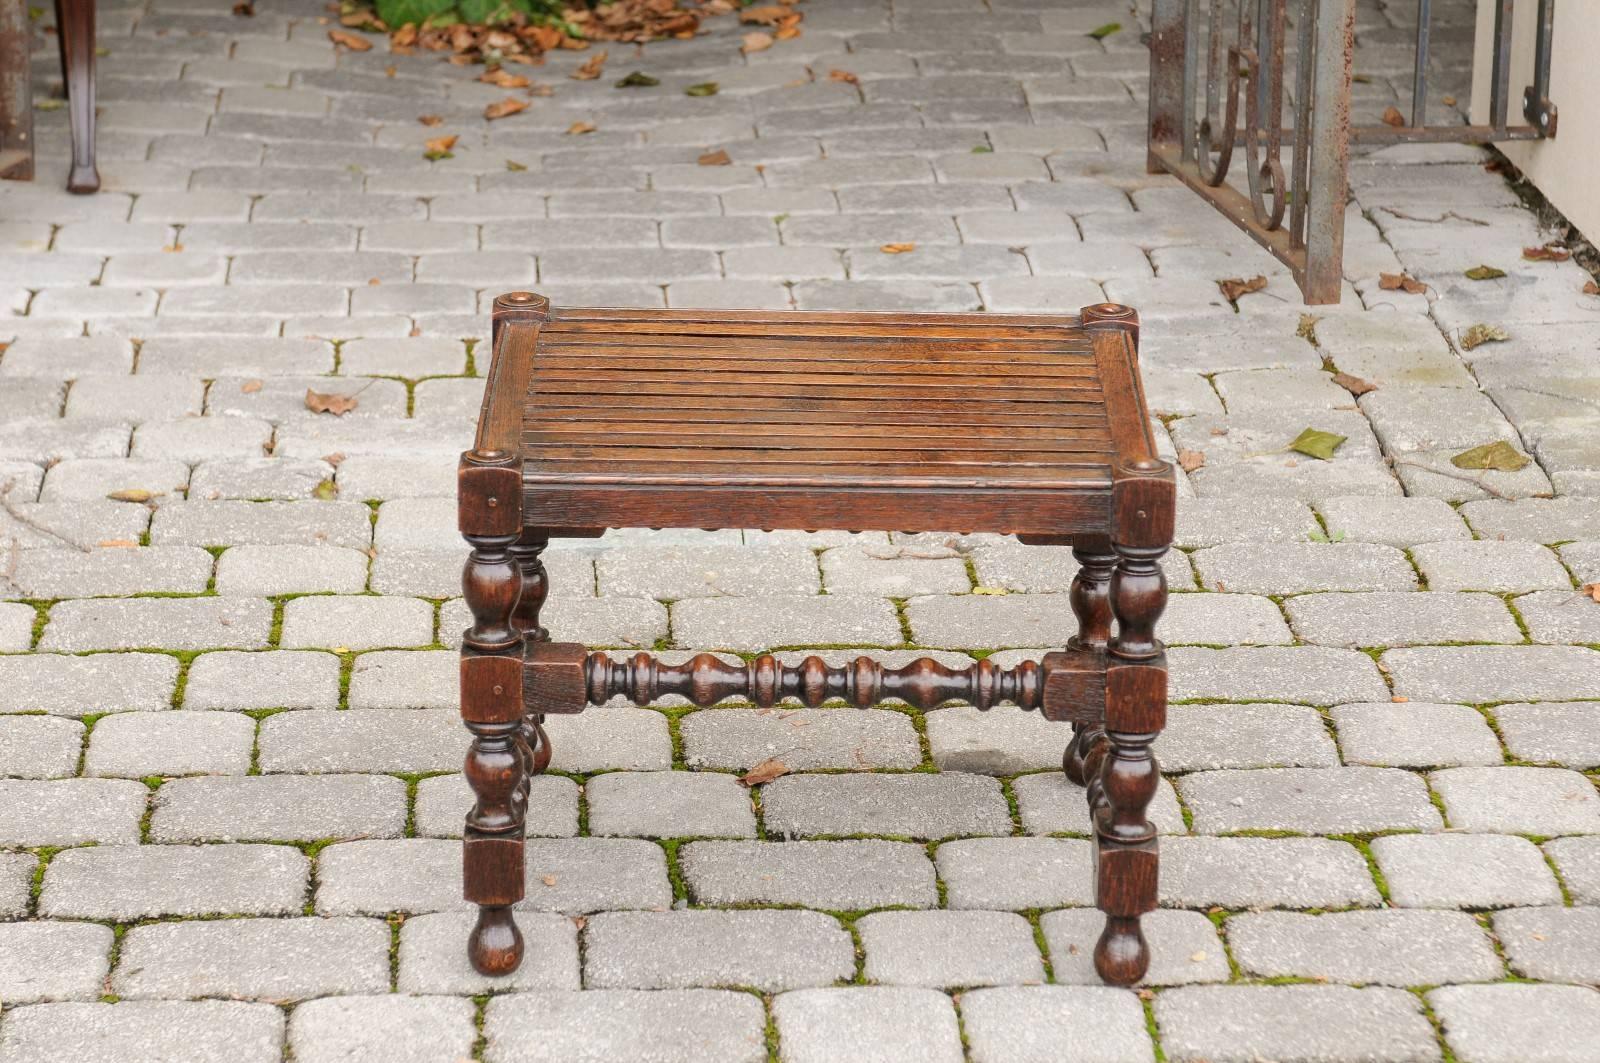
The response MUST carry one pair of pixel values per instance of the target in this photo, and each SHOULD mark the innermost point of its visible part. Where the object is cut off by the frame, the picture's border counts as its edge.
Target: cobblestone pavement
(228, 678)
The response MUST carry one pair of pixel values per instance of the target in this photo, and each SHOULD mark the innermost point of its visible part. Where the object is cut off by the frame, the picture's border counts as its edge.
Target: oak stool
(1030, 425)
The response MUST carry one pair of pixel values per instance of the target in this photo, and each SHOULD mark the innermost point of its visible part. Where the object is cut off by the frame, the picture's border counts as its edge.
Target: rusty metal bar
(16, 107)
(1500, 77)
(1419, 77)
(1168, 48)
(1330, 151)
(1435, 134)
(1536, 105)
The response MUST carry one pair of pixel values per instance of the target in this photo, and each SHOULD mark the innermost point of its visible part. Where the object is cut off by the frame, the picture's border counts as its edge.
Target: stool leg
(1091, 603)
(1136, 702)
(75, 31)
(534, 587)
(498, 760)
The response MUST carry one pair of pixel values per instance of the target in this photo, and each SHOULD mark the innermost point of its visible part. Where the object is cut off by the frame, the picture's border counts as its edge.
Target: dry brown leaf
(1591, 288)
(1592, 590)
(548, 880)
(173, 249)
(1403, 282)
(506, 107)
(117, 544)
(591, 69)
(766, 771)
(765, 15)
(787, 33)
(1448, 101)
(897, 249)
(431, 120)
(715, 158)
(1392, 116)
(352, 41)
(441, 144)
(577, 129)
(1399, 699)
(1354, 384)
(504, 78)
(250, 387)
(845, 76)
(1234, 287)
(1191, 459)
(132, 494)
(244, 9)
(755, 42)
(1551, 252)
(330, 402)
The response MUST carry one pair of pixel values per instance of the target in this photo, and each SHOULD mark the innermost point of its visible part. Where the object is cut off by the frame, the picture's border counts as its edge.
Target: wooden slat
(966, 348)
(997, 327)
(956, 370)
(789, 321)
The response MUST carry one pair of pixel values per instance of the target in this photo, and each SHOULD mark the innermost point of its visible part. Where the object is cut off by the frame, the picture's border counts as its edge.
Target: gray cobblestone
(1288, 568)
(196, 439)
(324, 740)
(444, 800)
(128, 882)
(1016, 873)
(205, 1031)
(1490, 566)
(1049, 804)
(676, 1026)
(39, 747)
(134, 623)
(760, 623)
(669, 804)
(254, 959)
(1564, 616)
(1561, 734)
(432, 960)
(114, 571)
(1035, 1024)
(816, 1025)
(1201, 737)
(356, 622)
(277, 570)
(1309, 800)
(279, 807)
(1336, 1024)
(289, 679)
(804, 739)
(913, 805)
(1392, 521)
(1512, 1023)
(1552, 944)
(1404, 947)
(229, 523)
(1184, 947)
(83, 479)
(365, 1027)
(1250, 872)
(1537, 520)
(770, 950)
(1519, 800)
(1312, 675)
(53, 961)
(16, 626)
(889, 572)
(139, 744)
(405, 679)
(1001, 741)
(832, 875)
(278, 479)
(1476, 674)
(70, 811)
(1401, 618)
(1464, 871)
(711, 571)
(1414, 734)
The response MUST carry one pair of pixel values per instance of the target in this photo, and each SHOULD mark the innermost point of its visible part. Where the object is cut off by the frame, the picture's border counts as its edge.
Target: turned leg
(491, 706)
(535, 586)
(75, 30)
(1136, 703)
(1091, 603)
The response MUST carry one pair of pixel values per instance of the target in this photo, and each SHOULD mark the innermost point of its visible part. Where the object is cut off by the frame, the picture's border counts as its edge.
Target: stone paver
(308, 562)
(53, 961)
(770, 951)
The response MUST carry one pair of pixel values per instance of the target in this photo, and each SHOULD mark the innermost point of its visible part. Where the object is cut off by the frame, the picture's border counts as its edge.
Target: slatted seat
(1033, 425)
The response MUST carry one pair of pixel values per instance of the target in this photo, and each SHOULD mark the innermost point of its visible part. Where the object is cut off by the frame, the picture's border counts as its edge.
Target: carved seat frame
(1109, 682)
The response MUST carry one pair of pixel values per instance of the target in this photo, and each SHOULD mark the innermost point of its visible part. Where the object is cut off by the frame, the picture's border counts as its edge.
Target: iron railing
(1210, 57)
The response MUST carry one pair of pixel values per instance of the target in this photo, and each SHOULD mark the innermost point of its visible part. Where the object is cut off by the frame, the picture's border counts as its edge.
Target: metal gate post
(1168, 59)
(1329, 186)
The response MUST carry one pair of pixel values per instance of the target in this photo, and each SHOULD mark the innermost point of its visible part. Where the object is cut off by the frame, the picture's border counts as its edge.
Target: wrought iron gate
(1210, 58)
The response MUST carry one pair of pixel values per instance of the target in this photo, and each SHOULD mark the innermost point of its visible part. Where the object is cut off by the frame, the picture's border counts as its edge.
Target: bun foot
(495, 945)
(83, 180)
(1122, 956)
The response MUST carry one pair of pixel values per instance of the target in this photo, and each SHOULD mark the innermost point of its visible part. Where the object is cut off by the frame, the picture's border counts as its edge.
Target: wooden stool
(1032, 425)
(75, 37)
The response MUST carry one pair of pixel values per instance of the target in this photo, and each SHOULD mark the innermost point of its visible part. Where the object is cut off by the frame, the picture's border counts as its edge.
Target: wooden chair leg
(75, 30)
(1136, 703)
(1091, 603)
(16, 106)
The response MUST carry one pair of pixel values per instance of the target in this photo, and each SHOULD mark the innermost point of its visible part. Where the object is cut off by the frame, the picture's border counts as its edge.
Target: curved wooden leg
(533, 586)
(75, 30)
(1091, 603)
(1136, 704)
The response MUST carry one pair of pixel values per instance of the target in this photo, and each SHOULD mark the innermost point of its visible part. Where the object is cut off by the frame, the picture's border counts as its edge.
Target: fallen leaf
(330, 402)
(580, 921)
(638, 80)
(431, 120)
(1354, 384)
(845, 76)
(1592, 590)
(897, 249)
(766, 771)
(1499, 456)
(117, 544)
(250, 387)
(1551, 252)
(1191, 460)
(1403, 282)
(131, 494)
(787, 33)
(504, 78)
(548, 880)
(590, 69)
(1197, 957)
(765, 15)
(1448, 101)
(579, 128)
(1399, 699)
(1484, 273)
(515, 167)
(244, 9)
(1100, 33)
(173, 249)
(1591, 288)
(715, 158)
(1234, 287)
(994, 591)
(335, 459)
(439, 148)
(1315, 443)
(326, 491)
(350, 40)
(506, 107)
(755, 42)
(1478, 335)
(705, 88)
(1392, 116)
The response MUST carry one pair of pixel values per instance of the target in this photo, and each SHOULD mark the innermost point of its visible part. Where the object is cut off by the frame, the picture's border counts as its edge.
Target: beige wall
(1567, 168)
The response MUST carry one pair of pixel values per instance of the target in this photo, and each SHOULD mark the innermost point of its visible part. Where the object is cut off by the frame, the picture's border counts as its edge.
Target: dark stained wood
(1027, 424)
(16, 105)
(75, 30)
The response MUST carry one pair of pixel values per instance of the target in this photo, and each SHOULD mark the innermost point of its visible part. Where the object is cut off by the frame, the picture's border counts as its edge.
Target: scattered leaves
(352, 41)
(897, 249)
(173, 249)
(591, 68)
(244, 9)
(1499, 456)
(1591, 288)
(765, 15)
(1315, 443)
(844, 76)
(1402, 282)
(1554, 251)
(431, 120)
(326, 491)
(131, 495)
(705, 88)
(1190, 460)
(117, 544)
(504, 78)
(638, 79)
(755, 42)
(250, 387)
(1591, 591)
(1478, 335)
(516, 167)
(506, 107)
(548, 880)
(1484, 273)
(330, 402)
(766, 771)
(995, 591)
(439, 148)
(1100, 33)
(577, 129)
(1234, 287)
(1354, 384)
(715, 158)
(1393, 117)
